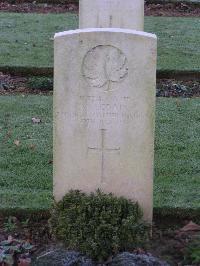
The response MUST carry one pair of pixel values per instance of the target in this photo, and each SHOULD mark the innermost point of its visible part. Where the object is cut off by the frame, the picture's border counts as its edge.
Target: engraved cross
(103, 149)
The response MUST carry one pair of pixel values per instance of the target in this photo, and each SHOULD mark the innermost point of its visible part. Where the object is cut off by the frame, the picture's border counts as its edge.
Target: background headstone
(104, 97)
(127, 14)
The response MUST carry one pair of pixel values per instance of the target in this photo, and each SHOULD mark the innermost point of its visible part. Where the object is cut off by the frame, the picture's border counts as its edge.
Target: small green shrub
(98, 224)
(192, 253)
(40, 83)
(10, 224)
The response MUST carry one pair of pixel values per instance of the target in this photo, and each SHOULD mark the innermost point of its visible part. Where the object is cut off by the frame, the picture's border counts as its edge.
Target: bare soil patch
(178, 88)
(172, 10)
(21, 85)
(11, 84)
(167, 9)
(37, 8)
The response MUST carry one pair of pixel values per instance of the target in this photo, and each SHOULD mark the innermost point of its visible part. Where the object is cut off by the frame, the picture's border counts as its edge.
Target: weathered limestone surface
(126, 14)
(104, 97)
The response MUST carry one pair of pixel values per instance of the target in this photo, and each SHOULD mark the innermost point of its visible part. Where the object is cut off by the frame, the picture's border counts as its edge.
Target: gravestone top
(106, 30)
(127, 14)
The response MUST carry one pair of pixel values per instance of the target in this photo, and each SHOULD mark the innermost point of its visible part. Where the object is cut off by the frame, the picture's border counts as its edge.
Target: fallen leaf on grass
(190, 227)
(17, 142)
(178, 103)
(7, 136)
(32, 146)
(36, 120)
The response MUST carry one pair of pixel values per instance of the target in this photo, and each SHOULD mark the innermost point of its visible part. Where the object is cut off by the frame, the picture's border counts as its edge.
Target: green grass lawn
(26, 39)
(26, 174)
(177, 154)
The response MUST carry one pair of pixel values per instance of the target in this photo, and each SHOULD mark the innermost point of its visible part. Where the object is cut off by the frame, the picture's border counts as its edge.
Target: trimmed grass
(25, 172)
(177, 155)
(26, 175)
(27, 39)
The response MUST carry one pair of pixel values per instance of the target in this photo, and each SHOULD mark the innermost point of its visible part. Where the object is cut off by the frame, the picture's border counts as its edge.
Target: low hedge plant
(40, 83)
(98, 225)
(192, 252)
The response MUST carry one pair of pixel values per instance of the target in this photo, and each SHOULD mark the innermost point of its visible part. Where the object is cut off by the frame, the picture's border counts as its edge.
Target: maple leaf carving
(103, 65)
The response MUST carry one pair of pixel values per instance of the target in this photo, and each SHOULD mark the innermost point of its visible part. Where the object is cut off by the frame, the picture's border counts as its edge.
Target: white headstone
(104, 99)
(126, 14)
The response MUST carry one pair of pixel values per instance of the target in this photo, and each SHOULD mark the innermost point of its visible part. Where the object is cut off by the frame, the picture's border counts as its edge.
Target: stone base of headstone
(61, 257)
(131, 259)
